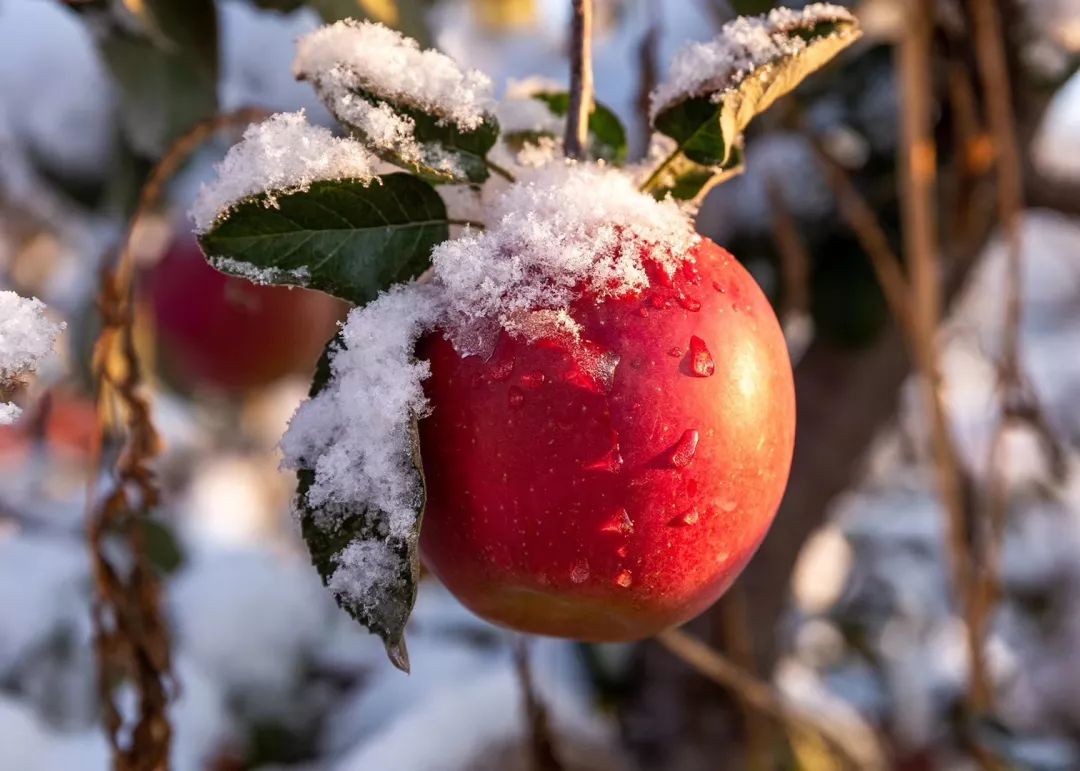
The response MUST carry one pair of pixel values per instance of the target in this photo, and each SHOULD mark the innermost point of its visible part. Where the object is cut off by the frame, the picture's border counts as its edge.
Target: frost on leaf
(26, 337)
(354, 445)
(417, 108)
(714, 89)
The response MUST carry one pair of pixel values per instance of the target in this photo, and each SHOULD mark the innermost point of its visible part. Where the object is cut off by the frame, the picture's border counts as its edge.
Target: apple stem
(581, 80)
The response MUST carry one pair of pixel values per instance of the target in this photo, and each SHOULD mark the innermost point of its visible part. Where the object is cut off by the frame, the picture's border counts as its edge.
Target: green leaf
(164, 59)
(439, 140)
(343, 237)
(707, 123)
(387, 613)
(685, 180)
(607, 137)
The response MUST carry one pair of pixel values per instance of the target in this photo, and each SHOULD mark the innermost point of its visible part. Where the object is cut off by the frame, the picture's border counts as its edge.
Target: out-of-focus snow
(55, 94)
(901, 640)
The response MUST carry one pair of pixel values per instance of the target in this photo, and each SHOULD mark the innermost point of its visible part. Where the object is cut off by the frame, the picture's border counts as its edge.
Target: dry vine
(130, 638)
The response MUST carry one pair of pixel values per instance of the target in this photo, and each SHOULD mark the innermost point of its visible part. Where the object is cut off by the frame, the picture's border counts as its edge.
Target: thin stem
(853, 751)
(918, 178)
(581, 80)
(541, 741)
(500, 170)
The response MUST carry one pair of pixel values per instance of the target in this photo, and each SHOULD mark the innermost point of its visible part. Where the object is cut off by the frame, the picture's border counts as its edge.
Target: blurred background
(847, 642)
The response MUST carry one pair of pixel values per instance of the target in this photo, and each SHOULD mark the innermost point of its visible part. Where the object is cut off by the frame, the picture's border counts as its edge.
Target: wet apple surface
(606, 487)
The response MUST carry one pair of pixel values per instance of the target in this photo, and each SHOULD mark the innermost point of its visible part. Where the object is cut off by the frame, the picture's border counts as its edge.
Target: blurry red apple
(607, 488)
(223, 332)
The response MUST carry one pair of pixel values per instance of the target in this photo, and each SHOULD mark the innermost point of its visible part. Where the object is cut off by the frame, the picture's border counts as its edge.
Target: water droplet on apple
(683, 451)
(620, 523)
(622, 551)
(690, 303)
(580, 573)
(675, 352)
(515, 396)
(701, 361)
(533, 379)
(501, 368)
(595, 367)
(611, 461)
(719, 287)
(624, 579)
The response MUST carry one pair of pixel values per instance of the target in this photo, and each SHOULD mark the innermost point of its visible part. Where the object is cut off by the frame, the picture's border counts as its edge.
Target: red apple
(227, 333)
(567, 500)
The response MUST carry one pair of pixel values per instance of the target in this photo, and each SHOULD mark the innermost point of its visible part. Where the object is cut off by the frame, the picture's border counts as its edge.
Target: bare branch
(581, 80)
(541, 743)
(130, 637)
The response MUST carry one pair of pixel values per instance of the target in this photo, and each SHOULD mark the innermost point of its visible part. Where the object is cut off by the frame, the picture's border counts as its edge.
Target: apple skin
(531, 521)
(228, 334)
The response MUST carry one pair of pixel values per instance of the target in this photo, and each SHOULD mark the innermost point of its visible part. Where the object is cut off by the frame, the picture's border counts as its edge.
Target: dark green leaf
(607, 137)
(440, 140)
(161, 545)
(388, 615)
(686, 180)
(707, 125)
(342, 237)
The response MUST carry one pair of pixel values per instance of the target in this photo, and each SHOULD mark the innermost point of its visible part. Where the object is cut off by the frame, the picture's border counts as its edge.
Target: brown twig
(581, 80)
(766, 700)
(130, 637)
(648, 71)
(541, 743)
(918, 173)
(1018, 401)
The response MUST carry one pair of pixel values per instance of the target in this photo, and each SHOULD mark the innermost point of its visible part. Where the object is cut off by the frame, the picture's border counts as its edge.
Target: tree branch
(581, 80)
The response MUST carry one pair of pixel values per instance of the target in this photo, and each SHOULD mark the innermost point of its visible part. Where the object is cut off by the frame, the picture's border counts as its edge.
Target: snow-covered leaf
(716, 88)
(415, 108)
(348, 238)
(607, 137)
(349, 542)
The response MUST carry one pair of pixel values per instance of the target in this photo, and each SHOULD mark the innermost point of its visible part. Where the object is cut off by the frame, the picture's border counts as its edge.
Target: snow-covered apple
(607, 490)
(226, 333)
(582, 416)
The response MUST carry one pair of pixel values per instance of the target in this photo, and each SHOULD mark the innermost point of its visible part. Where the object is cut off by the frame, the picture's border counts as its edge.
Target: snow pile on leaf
(282, 154)
(744, 44)
(565, 228)
(26, 337)
(352, 56)
(366, 73)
